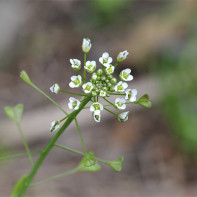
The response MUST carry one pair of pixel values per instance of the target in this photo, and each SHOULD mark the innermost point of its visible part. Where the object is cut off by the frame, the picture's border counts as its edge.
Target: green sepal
(89, 163)
(24, 76)
(116, 164)
(18, 186)
(144, 101)
(14, 113)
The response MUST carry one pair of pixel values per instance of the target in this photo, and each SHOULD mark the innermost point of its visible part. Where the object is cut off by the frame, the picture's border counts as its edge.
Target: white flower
(97, 115)
(122, 56)
(96, 106)
(74, 103)
(54, 126)
(87, 87)
(94, 76)
(123, 116)
(76, 81)
(103, 93)
(121, 86)
(120, 103)
(86, 45)
(55, 88)
(131, 94)
(109, 69)
(75, 64)
(125, 75)
(105, 59)
(90, 66)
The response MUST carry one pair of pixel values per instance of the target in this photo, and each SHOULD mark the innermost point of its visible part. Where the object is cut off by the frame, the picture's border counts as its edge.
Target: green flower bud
(103, 78)
(94, 93)
(24, 76)
(113, 80)
(99, 72)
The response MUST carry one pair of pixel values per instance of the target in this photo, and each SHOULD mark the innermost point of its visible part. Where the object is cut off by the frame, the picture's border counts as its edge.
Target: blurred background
(159, 144)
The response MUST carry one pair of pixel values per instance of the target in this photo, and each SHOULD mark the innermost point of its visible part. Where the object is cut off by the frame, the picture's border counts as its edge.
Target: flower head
(121, 86)
(55, 88)
(122, 56)
(109, 69)
(86, 45)
(74, 103)
(54, 126)
(105, 59)
(131, 94)
(87, 87)
(75, 64)
(103, 93)
(90, 66)
(120, 103)
(96, 106)
(76, 81)
(123, 117)
(125, 75)
(97, 115)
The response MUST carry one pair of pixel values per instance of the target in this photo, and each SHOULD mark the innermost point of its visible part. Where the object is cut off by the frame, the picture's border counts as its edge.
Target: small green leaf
(18, 186)
(144, 101)
(88, 163)
(14, 113)
(24, 76)
(116, 164)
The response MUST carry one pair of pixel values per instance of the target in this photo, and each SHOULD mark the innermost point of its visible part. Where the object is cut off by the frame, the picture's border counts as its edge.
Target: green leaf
(18, 186)
(88, 163)
(24, 76)
(116, 164)
(144, 101)
(14, 113)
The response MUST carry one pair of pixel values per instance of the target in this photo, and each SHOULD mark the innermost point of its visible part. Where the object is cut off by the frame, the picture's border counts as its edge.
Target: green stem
(80, 135)
(69, 149)
(19, 155)
(50, 99)
(116, 64)
(25, 143)
(117, 94)
(109, 102)
(84, 66)
(110, 111)
(56, 177)
(72, 93)
(81, 75)
(49, 146)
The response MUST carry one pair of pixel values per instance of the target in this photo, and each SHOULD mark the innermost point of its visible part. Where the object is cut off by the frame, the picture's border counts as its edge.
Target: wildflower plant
(97, 84)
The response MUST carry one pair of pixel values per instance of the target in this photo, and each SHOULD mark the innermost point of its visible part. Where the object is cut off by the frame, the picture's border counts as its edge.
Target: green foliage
(14, 113)
(116, 164)
(24, 76)
(144, 101)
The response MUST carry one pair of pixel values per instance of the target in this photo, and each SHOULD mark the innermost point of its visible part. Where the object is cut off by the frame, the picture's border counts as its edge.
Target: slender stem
(72, 93)
(110, 111)
(50, 99)
(19, 155)
(49, 146)
(81, 75)
(117, 94)
(56, 177)
(69, 149)
(25, 143)
(108, 101)
(80, 135)
(84, 66)
(116, 64)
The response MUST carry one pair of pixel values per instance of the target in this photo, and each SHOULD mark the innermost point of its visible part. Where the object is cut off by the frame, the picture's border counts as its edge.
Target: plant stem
(25, 143)
(19, 155)
(110, 111)
(108, 102)
(49, 146)
(117, 94)
(81, 75)
(84, 66)
(72, 93)
(116, 64)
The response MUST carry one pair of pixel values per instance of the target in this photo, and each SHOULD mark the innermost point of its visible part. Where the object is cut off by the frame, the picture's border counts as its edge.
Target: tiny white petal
(97, 115)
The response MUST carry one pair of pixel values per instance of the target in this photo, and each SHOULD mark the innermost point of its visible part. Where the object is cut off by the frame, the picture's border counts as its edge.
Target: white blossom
(87, 87)
(121, 86)
(120, 103)
(109, 69)
(122, 56)
(75, 64)
(54, 126)
(96, 106)
(105, 59)
(90, 66)
(131, 94)
(76, 81)
(55, 88)
(86, 45)
(123, 116)
(97, 115)
(103, 93)
(125, 75)
(74, 103)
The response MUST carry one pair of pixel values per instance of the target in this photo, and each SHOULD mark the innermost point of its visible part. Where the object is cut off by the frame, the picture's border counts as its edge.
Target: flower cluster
(101, 84)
